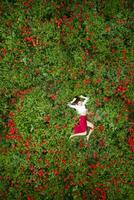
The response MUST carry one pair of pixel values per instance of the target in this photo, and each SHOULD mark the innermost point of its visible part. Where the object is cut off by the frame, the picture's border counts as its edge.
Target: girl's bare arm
(85, 99)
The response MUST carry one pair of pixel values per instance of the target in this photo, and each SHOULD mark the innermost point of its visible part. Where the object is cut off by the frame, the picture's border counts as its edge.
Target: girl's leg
(91, 126)
(79, 134)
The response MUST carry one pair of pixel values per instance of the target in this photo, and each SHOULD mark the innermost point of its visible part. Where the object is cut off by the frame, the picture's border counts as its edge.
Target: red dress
(82, 126)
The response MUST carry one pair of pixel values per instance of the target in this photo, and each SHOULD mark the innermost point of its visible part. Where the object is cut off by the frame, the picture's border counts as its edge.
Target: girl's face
(79, 103)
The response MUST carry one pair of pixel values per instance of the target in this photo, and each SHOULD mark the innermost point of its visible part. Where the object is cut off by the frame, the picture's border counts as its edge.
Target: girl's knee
(90, 125)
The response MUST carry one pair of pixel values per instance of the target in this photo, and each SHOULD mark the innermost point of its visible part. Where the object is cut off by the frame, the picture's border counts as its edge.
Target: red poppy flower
(87, 81)
(131, 143)
(57, 126)
(5, 51)
(129, 102)
(47, 118)
(100, 193)
(101, 128)
(87, 52)
(27, 144)
(28, 155)
(131, 129)
(53, 97)
(31, 167)
(11, 114)
(30, 198)
(88, 38)
(56, 172)
(108, 29)
(13, 130)
(113, 50)
(121, 89)
(41, 173)
(95, 155)
(67, 187)
(11, 123)
(98, 81)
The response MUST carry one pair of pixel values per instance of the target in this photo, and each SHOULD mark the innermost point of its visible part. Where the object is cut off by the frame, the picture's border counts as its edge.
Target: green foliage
(51, 52)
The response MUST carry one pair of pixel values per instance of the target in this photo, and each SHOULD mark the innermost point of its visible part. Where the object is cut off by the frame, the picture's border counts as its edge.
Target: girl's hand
(85, 99)
(81, 96)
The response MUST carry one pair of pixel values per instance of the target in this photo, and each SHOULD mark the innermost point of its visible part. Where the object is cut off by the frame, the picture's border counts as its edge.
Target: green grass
(51, 52)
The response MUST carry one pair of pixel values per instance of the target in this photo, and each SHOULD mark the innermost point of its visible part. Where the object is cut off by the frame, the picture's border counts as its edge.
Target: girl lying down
(81, 129)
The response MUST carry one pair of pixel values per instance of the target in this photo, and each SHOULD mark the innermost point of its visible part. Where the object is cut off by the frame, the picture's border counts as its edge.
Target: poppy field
(52, 51)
